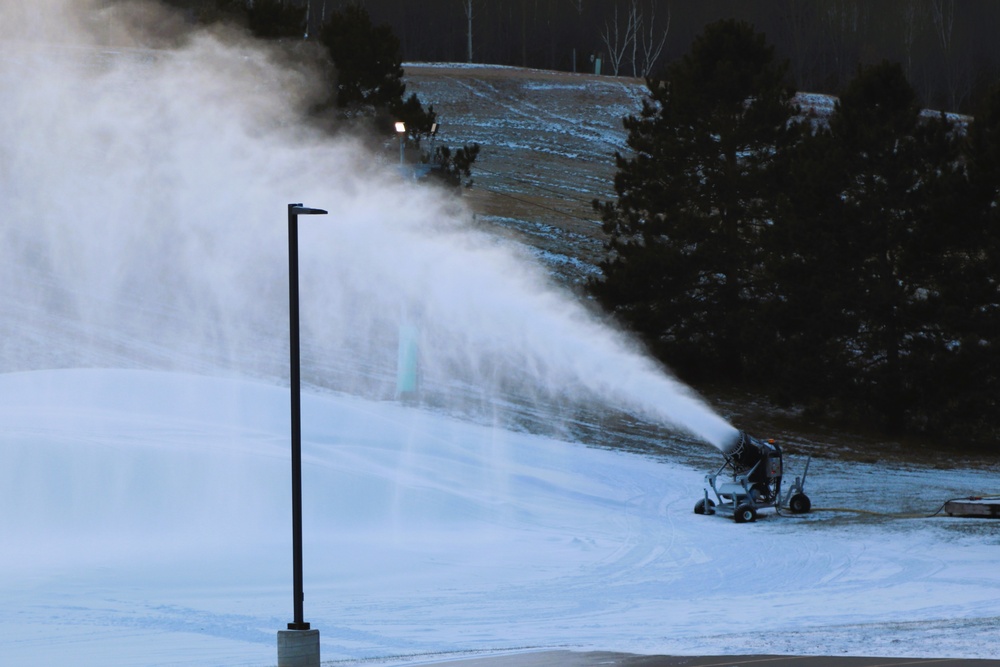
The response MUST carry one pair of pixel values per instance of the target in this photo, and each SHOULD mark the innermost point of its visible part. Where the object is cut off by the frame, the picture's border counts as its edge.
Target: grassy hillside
(547, 141)
(547, 150)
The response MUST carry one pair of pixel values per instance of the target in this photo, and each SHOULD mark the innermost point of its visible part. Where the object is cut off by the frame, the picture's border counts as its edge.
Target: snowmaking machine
(753, 482)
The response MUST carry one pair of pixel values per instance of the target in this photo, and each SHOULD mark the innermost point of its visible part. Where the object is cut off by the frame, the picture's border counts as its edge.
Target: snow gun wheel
(745, 513)
(704, 507)
(799, 503)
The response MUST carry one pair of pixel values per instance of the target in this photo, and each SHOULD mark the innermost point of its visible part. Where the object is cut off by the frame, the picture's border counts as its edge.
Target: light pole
(401, 131)
(298, 645)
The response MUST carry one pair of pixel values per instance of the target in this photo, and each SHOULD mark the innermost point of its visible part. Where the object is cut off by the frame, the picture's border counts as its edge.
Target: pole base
(298, 648)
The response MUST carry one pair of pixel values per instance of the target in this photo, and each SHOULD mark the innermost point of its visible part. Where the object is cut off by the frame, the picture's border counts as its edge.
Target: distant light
(434, 129)
(401, 127)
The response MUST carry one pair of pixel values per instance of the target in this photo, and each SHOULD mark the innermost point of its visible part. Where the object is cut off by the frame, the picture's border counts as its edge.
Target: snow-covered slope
(144, 501)
(146, 521)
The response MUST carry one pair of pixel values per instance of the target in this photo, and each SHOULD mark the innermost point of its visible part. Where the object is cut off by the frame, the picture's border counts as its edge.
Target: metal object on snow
(756, 469)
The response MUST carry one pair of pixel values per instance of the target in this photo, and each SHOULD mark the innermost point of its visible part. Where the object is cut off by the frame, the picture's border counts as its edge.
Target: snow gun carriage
(753, 482)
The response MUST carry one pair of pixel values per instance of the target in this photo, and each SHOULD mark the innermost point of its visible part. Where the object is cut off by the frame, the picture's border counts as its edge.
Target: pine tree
(369, 73)
(867, 243)
(806, 250)
(370, 84)
(368, 61)
(974, 286)
(684, 254)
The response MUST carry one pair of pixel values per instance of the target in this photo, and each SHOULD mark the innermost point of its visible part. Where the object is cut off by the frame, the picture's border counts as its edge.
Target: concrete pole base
(298, 648)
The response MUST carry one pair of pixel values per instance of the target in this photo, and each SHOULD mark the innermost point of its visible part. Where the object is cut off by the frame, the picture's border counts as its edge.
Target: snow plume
(145, 194)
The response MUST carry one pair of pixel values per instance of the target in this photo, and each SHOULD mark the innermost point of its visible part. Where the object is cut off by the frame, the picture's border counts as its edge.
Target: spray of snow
(144, 206)
(144, 514)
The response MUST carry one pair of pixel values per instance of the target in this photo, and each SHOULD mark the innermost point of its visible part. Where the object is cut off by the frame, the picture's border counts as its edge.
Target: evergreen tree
(685, 259)
(807, 251)
(367, 58)
(370, 84)
(866, 246)
(369, 74)
(974, 289)
(454, 168)
(369, 71)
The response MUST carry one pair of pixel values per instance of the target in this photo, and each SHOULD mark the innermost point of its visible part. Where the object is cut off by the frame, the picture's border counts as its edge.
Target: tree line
(849, 264)
(947, 48)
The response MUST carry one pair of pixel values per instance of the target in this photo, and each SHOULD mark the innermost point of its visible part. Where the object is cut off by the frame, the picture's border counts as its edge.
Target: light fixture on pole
(299, 645)
(401, 131)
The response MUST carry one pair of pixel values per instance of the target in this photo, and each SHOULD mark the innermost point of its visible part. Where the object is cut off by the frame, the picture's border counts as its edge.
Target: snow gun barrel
(744, 454)
(736, 443)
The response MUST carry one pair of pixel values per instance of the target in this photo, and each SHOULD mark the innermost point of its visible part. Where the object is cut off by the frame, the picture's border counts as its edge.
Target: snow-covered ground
(144, 463)
(146, 521)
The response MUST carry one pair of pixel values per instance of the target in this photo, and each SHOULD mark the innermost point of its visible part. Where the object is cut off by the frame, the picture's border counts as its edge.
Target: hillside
(547, 141)
(547, 150)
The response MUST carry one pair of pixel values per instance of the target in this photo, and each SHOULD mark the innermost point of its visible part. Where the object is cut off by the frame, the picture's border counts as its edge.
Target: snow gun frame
(755, 483)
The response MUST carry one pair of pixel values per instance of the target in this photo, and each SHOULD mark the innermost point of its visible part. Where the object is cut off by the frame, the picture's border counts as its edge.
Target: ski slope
(146, 520)
(144, 456)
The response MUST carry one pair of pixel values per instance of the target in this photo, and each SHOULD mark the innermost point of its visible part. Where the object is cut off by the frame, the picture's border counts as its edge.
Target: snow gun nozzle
(735, 444)
(747, 454)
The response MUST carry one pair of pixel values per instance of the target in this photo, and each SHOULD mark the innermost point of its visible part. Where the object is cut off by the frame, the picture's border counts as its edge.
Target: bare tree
(639, 38)
(944, 21)
(842, 21)
(914, 19)
(619, 40)
(800, 29)
(635, 22)
(651, 49)
(467, 6)
(943, 13)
